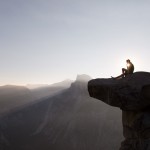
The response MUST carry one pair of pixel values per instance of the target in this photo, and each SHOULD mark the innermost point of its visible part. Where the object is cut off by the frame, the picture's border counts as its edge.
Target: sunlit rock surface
(132, 95)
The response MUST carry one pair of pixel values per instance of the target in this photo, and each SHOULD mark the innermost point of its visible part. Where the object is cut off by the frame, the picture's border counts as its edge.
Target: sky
(47, 41)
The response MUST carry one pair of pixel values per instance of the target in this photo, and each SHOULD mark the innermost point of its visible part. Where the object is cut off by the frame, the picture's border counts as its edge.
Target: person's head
(128, 60)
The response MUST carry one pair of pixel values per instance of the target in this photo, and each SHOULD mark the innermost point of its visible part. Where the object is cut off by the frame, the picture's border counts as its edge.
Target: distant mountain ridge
(83, 78)
(13, 96)
(68, 120)
(64, 83)
(52, 89)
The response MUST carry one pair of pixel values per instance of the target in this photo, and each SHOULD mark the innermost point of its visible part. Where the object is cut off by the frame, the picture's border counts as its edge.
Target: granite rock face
(132, 95)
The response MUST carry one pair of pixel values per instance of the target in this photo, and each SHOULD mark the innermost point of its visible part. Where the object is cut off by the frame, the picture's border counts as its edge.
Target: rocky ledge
(132, 95)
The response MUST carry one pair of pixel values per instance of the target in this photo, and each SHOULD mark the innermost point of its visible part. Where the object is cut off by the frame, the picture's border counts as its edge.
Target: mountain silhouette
(13, 97)
(49, 90)
(69, 120)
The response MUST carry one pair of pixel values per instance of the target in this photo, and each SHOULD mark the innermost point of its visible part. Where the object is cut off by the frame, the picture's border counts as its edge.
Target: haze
(46, 41)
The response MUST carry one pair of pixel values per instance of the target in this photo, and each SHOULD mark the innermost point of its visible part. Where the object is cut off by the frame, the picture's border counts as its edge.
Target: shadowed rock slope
(68, 121)
(132, 95)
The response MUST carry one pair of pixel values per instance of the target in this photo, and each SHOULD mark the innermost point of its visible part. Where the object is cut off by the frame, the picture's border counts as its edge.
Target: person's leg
(124, 72)
(120, 76)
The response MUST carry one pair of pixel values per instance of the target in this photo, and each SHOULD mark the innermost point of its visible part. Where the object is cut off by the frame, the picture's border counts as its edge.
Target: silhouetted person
(129, 70)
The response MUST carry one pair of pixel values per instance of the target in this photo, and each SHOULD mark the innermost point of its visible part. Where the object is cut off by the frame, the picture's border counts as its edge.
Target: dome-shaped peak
(83, 77)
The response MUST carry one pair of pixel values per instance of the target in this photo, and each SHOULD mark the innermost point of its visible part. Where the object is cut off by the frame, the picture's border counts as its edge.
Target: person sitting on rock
(125, 72)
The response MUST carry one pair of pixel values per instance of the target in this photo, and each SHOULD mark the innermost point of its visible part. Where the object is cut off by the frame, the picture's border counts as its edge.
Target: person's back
(130, 67)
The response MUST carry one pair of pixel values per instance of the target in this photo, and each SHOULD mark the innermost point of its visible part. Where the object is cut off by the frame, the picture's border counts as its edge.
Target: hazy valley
(58, 118)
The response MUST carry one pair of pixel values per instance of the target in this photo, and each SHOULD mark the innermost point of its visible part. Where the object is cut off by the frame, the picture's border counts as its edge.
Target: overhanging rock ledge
(132, 95)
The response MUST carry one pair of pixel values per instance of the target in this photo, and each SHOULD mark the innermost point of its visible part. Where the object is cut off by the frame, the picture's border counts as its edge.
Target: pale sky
(47, 41)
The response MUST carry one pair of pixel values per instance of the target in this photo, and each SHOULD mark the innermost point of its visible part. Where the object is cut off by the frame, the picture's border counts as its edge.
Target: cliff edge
(132, 95)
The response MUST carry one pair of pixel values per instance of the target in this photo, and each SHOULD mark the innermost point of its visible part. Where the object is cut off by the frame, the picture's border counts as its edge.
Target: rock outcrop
(132, 95)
